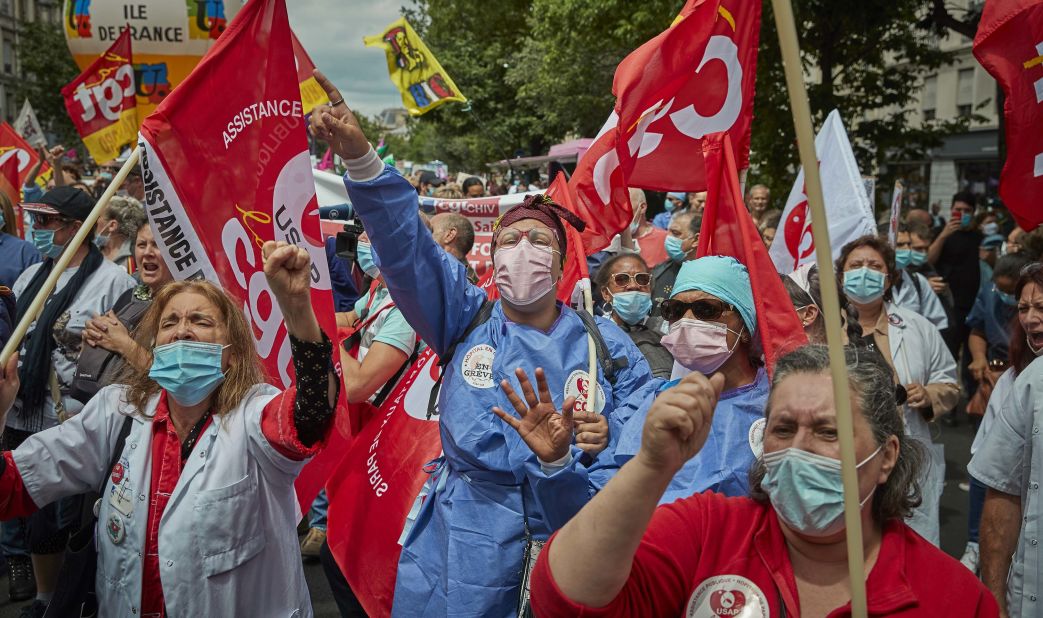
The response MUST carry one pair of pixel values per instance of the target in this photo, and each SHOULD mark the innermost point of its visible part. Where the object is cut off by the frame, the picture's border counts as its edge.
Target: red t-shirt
(710, 555)
(651, 246)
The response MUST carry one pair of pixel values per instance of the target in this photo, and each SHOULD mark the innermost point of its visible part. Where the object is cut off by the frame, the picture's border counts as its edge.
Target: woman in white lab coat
(198, 511)
(916, 352)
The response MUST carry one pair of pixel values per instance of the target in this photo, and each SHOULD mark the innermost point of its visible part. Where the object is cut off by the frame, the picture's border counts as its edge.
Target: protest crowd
(626, 405)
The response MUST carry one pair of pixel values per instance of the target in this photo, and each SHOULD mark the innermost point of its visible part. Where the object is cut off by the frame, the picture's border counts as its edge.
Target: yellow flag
(413, 68)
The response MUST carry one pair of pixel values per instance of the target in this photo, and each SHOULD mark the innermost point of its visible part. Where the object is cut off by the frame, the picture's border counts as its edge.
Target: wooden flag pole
(798, 96)
(15, 342)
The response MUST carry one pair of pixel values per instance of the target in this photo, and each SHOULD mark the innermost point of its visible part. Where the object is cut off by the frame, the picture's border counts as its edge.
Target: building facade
(14, 13)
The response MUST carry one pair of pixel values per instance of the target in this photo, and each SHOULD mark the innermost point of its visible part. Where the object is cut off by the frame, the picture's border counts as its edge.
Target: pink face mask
(523, 273)
(698, 345)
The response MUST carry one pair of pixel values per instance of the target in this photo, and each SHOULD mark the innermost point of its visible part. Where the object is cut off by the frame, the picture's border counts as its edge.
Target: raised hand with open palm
(546, 431)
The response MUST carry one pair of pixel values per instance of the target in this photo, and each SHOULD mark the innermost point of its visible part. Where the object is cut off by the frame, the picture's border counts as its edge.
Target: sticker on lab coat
(116, 529)
(477, 366)
(578, 385)
(121, 495)
(757, 437)
(727, 595)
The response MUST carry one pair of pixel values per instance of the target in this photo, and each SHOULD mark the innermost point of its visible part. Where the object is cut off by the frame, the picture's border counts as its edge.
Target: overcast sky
(332, 30)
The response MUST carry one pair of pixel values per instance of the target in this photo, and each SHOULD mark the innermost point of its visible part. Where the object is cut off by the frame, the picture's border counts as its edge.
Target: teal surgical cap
(723, 277)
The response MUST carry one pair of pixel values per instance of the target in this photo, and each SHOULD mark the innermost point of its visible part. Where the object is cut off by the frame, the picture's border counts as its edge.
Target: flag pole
(15, 342)
(798, 96)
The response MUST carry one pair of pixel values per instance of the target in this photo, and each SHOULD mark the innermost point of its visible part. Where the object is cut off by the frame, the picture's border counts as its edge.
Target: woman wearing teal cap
(712, 327)
(916, 352)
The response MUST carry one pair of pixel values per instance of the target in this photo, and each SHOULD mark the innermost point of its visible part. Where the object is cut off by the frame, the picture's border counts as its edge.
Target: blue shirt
(662, 220)
(992, 316)
(15, 256)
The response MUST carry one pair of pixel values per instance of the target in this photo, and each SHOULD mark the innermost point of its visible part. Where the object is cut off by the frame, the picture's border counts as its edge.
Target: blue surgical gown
(463, 554)
(734, 443)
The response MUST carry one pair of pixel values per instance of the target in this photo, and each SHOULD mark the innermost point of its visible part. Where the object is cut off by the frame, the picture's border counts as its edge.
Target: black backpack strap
(391, 383)
(609, 365)
(483, 315)
(121, 441)
(916, 284)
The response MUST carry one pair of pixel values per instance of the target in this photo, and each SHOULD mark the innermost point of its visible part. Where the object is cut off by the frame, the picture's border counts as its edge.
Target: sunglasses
(44, 220)
(623, 279)
(704, 309)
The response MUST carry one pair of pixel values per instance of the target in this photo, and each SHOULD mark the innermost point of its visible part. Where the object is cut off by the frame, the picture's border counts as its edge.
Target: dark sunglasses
(42, 219)
(623, 279)
(704, 309)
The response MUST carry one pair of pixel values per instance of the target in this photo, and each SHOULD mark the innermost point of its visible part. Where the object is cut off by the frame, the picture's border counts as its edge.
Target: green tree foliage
(866, 58)
(47, 67)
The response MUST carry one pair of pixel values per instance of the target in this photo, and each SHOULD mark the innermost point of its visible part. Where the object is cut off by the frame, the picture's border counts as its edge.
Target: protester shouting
(626, 286)
(490, 493)
(198, 514)
(916, 352)
(713, 327)
(89, 286)
(781, 553)
(1009, 459)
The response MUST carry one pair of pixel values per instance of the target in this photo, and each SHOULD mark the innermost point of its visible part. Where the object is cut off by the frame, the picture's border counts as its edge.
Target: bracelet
(337, 102)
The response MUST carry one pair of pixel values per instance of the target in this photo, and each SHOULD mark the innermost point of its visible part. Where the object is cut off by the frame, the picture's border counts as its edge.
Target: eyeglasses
(623, 279)
(538, 237)
(703, 309)
(45, 220)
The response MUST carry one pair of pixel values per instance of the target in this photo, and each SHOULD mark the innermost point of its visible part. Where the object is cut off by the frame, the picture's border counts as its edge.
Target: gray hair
(128, 214)
(446, 221)
(873, 387)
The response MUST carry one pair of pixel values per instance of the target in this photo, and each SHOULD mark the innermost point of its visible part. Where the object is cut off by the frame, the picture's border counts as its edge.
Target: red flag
(14, 146)
(226, 169)
(102, 101)
(575, 268)
(695, 78)
(312, 93)
(728, 229)
(1009, 44)
(11, 187)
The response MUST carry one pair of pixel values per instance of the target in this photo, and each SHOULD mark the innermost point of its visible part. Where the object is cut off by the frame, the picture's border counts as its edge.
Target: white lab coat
(921, 300)
(227, 541)
(919, 356)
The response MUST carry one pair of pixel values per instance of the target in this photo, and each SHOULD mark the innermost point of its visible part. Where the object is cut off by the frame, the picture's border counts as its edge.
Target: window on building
(930, 97)
(965, 92)
(5, 7)
(8, 57)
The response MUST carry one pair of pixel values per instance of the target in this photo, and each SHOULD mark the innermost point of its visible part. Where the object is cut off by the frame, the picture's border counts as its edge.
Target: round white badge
(576, 386)
(757, 437)
(727, 595)
(477, 366)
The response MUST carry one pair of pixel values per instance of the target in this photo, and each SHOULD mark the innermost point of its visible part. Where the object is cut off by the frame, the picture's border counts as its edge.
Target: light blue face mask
(101, 241)
(864, 285)
(965, 220)
(806, 490)
(917, 258)
(364, 255)
(43, 240)
(632, 307)
(188, 370)
(903, 257)
(673, 248)
(1007, 299)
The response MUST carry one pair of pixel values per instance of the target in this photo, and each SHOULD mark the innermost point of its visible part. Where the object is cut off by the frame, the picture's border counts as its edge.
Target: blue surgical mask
(632, 307)
(903, 257)
(101, 241)
(668, 204)
(633, 228)
(188, 370)
(990, 228)
(673, 248)
(965, 220)
(806, 490)
(864, 285)
(43, 240)
(364, 255)
(1008, 299)
(917, 258)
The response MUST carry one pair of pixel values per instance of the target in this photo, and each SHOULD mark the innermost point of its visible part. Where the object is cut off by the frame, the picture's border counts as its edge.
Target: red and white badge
(578, 386)
(727, 595)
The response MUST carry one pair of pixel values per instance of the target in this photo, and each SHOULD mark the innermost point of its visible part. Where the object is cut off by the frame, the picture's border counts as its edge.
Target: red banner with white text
(13, 145)
(227, 168)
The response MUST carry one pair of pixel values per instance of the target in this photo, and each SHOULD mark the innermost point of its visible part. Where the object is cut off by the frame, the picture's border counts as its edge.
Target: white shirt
(227, 538)
(918, 297)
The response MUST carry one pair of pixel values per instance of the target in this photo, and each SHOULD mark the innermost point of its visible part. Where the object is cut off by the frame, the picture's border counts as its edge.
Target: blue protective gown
(735, 440)
(463, 554)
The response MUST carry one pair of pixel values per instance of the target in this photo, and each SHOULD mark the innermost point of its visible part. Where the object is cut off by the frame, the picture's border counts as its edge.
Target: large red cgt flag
(14, 146)
(225, 163)
(728, 229)
(102, 101)
(693, 79)
(1009, 44)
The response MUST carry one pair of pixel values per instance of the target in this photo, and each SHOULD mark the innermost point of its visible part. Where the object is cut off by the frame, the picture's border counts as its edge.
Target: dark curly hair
(874, 396)
(877, 244)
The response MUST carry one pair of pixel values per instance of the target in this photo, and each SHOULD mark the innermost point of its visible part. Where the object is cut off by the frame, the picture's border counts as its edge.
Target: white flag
(29, 127)
(847, 205)
(896, 213)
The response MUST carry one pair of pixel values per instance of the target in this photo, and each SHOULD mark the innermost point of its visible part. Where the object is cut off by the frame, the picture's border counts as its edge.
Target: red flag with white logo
(695, 78)
(728, 229)
(102, 101)
(14, 146)
(1009, 44)
(227, 168)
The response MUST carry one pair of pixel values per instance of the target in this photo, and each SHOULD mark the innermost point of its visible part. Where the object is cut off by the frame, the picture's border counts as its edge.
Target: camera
(348, 240)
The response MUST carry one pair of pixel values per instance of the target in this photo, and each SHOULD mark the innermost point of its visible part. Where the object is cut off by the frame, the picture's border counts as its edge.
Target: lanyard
(193, 437)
